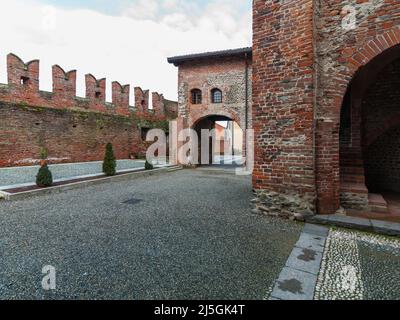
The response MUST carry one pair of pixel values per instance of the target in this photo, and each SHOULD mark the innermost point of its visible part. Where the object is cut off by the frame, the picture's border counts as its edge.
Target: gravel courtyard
(186, 235)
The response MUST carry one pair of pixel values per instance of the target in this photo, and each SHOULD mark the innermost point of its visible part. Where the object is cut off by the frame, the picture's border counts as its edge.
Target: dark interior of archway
(370, 125)
(381, 125)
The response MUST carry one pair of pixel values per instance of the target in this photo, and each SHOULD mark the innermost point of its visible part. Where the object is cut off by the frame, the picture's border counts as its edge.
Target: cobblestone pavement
(21, 175)
(186, 235)
(338, 264)
(359, 266)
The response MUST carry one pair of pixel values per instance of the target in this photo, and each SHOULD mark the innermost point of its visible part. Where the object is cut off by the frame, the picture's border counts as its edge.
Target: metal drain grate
(132, 201)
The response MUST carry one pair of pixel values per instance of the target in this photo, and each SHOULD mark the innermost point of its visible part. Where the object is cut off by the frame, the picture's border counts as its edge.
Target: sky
(123, 40)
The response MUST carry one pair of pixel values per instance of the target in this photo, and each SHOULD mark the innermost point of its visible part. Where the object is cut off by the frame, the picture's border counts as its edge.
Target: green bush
(44, 177)
(148, 166)
(109, 164)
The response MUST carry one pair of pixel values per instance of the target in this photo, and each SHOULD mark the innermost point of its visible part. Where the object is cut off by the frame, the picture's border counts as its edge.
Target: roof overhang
(242, 52)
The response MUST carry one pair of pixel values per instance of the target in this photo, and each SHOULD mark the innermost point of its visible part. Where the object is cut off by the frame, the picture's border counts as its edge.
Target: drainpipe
(246, 102)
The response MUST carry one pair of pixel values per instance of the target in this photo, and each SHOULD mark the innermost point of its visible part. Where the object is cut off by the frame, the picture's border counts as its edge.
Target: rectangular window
(196, 96)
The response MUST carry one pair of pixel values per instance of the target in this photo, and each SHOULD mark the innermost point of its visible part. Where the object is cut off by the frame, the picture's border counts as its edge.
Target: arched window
(196, 96)
(216, 96)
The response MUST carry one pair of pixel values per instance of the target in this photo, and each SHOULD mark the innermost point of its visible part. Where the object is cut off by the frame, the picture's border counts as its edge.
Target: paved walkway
(27, 175)
(186, 235)
(339, 264)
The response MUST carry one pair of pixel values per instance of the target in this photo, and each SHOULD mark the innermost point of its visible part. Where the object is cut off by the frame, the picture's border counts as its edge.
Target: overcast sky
(124, 40)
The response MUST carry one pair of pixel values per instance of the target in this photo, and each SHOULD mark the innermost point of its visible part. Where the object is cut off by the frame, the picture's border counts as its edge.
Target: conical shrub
(109, 164)
(148, 166)
(44, 177)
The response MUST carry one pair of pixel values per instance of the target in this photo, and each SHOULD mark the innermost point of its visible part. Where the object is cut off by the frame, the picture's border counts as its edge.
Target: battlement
(64, 83)
(142, 100)
(23, 75)
(120, 97)
(23, 87)
(158, 103)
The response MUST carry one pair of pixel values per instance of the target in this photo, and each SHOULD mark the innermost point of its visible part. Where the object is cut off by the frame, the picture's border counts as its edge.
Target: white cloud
(143, 9)
(178, 21)
(125, 48)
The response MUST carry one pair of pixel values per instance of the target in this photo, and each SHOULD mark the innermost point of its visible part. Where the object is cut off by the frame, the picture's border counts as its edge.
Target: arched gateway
(215, 94)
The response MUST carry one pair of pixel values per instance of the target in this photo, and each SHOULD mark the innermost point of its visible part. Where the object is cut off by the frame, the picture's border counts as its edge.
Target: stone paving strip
(339, 264)
(381, 227)
(17, 177)
(298, 278)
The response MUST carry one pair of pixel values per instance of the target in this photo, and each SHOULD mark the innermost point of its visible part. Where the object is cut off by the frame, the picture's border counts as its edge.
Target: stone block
(294, 285)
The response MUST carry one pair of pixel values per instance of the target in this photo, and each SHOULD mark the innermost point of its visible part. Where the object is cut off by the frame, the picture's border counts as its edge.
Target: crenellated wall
(23, 87)
(71, 128)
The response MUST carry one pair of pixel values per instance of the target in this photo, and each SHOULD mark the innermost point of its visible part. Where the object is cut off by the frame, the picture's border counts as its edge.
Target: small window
(98, 94)
(196, 96)
(24, 80)
(216, 96)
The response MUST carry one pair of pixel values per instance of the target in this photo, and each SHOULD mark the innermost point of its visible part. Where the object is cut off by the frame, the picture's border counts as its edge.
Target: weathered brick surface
(69, 136)
(226, 74)
(303, 63)
(141, 100)
(283, 97)
(71, 128)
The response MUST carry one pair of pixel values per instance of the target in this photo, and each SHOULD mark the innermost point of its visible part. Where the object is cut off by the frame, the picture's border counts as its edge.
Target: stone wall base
(356, 201)
(290, 206)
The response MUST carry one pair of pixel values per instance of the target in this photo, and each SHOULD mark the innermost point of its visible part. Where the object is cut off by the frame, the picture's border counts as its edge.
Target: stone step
(377, 203)
(353, 178)
(356, 188)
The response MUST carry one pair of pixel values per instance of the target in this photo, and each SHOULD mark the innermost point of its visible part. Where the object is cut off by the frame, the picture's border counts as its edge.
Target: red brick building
(326, 105)
(214, 86)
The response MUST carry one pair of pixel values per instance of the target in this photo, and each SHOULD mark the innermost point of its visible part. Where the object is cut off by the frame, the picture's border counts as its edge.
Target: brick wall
(68, 135)
(228, 75)
(303, 63)
(283, 98)
(73, 129)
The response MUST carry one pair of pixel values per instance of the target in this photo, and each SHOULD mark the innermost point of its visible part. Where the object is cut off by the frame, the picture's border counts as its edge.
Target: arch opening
(225, 141)
(370, 139)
